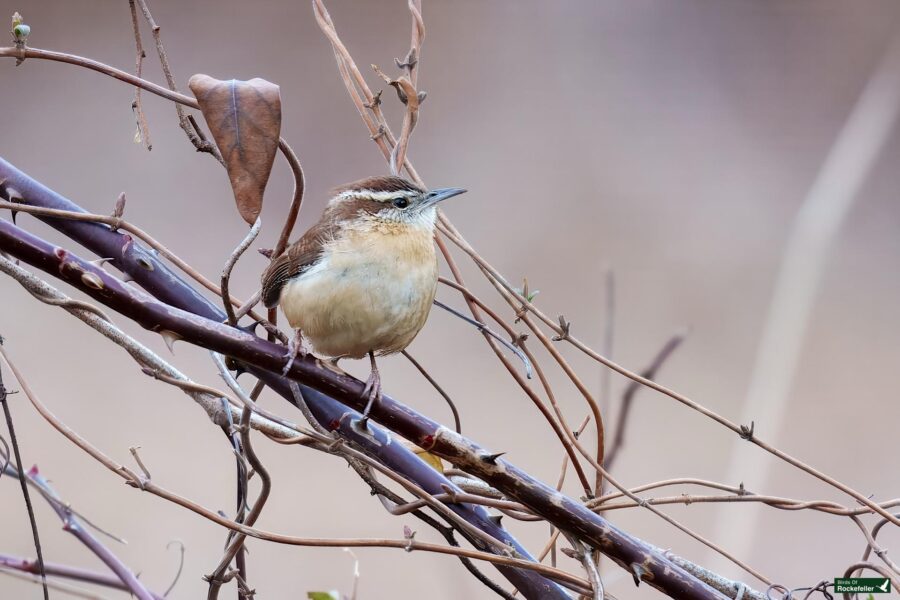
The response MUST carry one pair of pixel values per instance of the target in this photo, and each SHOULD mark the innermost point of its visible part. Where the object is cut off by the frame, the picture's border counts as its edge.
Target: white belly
(356, 301)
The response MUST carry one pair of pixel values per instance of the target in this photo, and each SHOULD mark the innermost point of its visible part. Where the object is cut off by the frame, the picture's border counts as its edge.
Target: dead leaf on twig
(244, 118)
(404, 87)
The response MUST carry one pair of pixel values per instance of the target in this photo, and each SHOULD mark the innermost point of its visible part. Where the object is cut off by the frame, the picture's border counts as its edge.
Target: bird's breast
(371, 291)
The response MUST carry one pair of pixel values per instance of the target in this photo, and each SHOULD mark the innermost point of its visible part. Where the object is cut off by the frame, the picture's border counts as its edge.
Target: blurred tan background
(671, 141)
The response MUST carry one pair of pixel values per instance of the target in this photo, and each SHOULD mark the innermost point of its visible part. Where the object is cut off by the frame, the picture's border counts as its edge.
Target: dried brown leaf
(244, 118)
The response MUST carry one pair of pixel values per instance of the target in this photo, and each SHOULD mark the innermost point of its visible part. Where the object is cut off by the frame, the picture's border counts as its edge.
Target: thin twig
(65, 588)
(237, 544)
(499, 282)
(4, 400)
(207, 398)
(229, 265)
(529, 371)
(193, 134)
(628, 396)
(873, 546)
(143, 130)
(438, 388)
(180, 567)
(405, 544)
(119, 223)
(586, 555)
(559, 428)
(72, 525)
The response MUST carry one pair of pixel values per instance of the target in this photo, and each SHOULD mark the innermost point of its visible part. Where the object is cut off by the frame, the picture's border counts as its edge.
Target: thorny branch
(395, 151)
(147, 485)
(207, 398)
(417, 428)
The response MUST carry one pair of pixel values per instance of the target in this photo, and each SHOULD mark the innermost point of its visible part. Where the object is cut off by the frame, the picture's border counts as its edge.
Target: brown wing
(295, 260)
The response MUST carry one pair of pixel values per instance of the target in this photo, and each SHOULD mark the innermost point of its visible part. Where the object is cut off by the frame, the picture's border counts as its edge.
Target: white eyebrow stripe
(379, 196)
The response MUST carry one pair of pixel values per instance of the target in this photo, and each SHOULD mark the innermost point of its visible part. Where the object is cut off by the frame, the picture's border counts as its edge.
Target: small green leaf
(527, 293)
(332, 595)
(19, 29)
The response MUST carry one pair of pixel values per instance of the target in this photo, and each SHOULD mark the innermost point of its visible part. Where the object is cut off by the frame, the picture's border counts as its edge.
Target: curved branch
(266, 359)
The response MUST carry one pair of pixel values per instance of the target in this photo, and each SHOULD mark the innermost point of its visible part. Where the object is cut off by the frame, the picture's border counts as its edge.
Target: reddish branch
(266, 359)
(147, 270)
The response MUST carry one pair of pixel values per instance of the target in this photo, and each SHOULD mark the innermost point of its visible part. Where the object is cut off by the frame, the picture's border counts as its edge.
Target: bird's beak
(441, 194)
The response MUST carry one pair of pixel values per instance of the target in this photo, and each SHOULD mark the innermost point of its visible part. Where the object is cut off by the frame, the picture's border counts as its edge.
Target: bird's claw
(372, 392)
(295, 348)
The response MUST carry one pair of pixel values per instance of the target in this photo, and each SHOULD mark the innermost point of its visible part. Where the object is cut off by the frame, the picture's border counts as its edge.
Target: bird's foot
(372, 392)
(296, 347)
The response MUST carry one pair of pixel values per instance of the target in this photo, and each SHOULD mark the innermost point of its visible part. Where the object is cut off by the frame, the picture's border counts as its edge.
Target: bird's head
(389, 200)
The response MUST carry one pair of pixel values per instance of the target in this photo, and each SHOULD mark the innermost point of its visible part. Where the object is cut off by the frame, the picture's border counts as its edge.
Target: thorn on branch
(100, 262)
(495, 519)
(11, 193)
(570, 553)
(267, 252)
(381, 131)
(564, 327)
(170, 337)
(747, 432)
(492, 458)
(361, 426)
(638, 571)
(249, 328)
(92, 280)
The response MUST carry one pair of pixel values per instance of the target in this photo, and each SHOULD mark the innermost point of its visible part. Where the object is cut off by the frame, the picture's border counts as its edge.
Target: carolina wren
(362, 280)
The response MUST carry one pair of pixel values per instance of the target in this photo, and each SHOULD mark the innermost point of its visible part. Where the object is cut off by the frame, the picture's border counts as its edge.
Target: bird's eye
(400, 202)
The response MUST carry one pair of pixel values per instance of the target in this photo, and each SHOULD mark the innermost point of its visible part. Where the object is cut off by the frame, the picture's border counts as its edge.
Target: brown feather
(296, 259)
(381, 183)
(303, 253)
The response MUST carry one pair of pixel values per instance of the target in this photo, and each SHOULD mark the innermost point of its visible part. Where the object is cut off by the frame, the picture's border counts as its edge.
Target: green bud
(21, 31)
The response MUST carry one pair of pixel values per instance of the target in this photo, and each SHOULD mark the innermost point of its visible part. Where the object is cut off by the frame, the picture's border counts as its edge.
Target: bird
(361, 281)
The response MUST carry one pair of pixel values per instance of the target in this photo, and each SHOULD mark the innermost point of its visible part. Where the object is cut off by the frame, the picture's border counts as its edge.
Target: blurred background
(671, 142)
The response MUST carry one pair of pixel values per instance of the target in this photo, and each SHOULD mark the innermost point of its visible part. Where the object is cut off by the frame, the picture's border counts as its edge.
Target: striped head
(388, 200)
